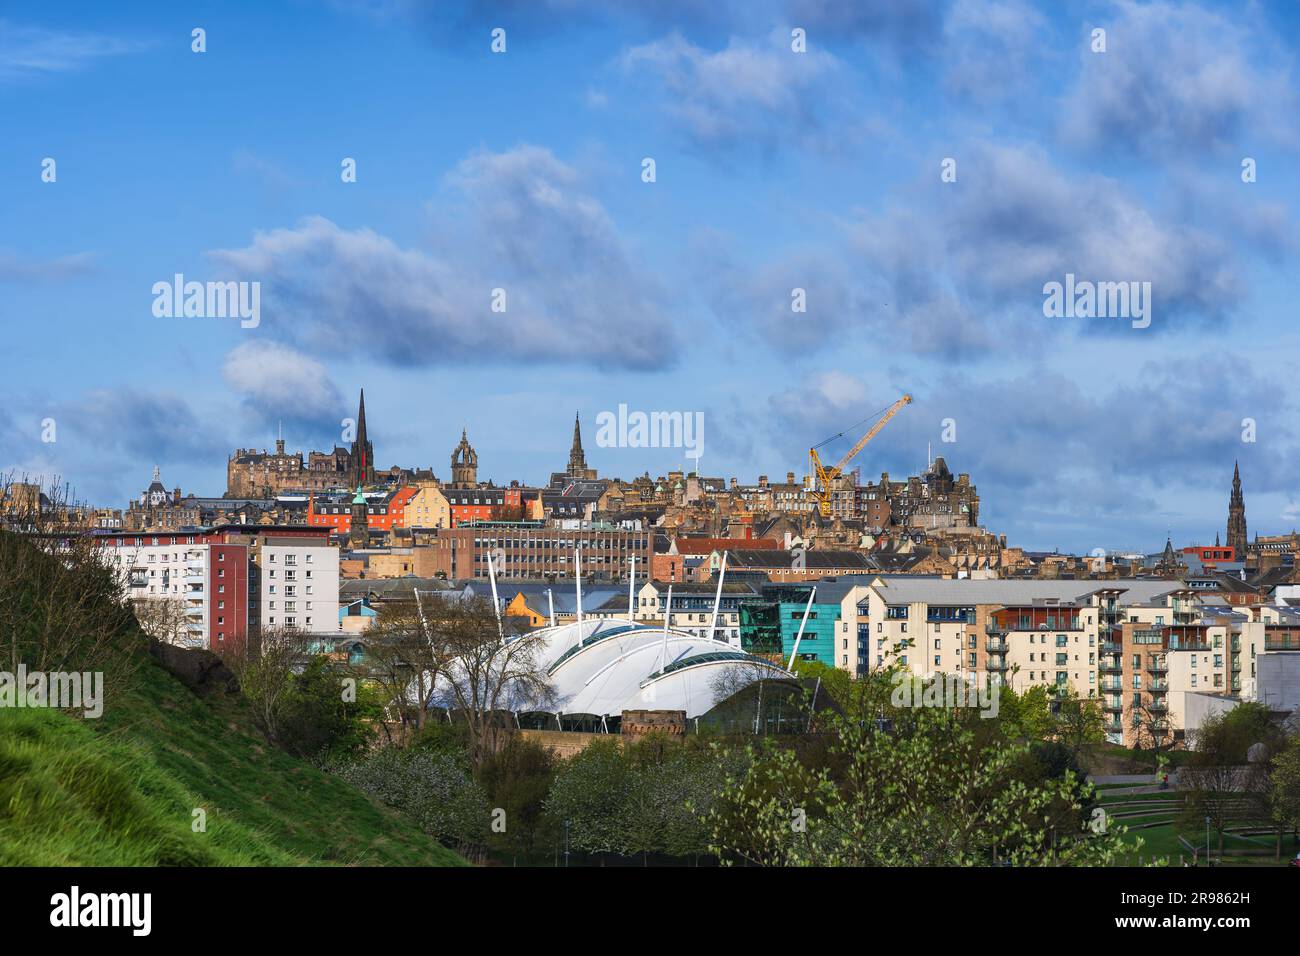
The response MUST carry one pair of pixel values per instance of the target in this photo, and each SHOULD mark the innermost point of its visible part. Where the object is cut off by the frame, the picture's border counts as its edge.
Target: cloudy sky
(775, 170)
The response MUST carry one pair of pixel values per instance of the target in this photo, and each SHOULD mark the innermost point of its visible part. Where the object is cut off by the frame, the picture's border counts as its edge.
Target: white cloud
(33, 51)
(279, 381)
(750, 92)
(517, 221)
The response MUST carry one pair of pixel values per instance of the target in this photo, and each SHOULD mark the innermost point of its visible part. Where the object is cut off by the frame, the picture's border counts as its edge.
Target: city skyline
(775, 171)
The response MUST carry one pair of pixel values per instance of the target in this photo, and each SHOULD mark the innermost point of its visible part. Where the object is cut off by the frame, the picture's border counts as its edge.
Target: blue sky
(774, 170)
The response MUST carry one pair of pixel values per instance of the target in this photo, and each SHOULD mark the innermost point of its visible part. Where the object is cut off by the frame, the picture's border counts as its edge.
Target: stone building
(257, 474)
(932, 501)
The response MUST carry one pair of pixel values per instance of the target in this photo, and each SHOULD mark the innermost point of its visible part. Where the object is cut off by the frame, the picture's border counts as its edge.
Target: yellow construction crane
(824, 477)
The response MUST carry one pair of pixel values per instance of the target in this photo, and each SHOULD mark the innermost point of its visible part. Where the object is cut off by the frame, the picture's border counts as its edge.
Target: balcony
(1114, 704)
(995, 646)
(1114, 726)
(996, 664)
(1110, 667)
(994, 628)
(1159, 687)
(1156, 665)
(1158, 707)
(194, 610)
(1112, 685)
(1110, 647)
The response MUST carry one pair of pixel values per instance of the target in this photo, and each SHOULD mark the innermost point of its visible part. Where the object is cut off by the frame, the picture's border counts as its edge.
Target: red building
(382, 514)
(1213, 555)
(483, 504)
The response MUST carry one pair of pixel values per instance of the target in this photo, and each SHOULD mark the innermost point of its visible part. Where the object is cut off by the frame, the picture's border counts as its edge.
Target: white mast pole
(802, 624)
(496, 605)
(631, 589)
(668, 613)
(577, 577)
(550, 600)
(717, 598)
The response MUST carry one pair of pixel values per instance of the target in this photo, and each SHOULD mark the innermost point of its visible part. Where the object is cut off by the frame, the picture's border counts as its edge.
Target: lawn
(124, 791)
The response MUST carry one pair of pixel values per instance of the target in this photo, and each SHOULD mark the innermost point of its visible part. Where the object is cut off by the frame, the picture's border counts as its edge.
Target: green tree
(1076, 721)
(326, 711)
(925, 793)
(590, 795)
(1284, 796)
(518, 779)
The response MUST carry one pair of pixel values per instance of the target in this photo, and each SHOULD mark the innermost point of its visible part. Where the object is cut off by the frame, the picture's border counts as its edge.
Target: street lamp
(1207, 841)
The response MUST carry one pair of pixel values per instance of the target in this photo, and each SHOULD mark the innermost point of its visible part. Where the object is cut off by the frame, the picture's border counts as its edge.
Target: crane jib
(822, 476)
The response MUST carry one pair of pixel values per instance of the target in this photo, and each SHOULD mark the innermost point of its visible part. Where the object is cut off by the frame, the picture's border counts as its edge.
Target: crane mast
(824, 477)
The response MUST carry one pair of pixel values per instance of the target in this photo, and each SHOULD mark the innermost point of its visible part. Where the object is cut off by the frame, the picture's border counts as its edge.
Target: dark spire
(1237, 517)
(577, 460)
(363, 451)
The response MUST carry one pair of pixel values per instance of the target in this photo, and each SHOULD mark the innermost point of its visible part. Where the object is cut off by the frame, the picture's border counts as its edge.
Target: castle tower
(1237, 517)
(359, 533)
(577, 460)
(464, 464)
(363, 452)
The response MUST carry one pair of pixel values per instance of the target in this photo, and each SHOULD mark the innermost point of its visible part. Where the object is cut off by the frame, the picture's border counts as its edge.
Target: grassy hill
(122, 791)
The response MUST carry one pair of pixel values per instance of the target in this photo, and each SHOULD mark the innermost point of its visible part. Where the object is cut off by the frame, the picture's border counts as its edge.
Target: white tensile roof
(606, 666)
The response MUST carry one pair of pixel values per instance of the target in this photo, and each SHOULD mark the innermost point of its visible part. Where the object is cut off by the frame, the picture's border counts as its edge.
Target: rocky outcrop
(201, 671)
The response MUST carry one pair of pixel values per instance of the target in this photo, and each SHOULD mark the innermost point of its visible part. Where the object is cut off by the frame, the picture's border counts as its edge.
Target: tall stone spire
(577, 460)
(1237, 517)
(363, 452)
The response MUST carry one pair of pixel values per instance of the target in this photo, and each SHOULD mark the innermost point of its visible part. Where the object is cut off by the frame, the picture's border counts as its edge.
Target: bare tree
(481, 675)
(1151, 729)
(265, 666)
(62, 607)
(163, 618)
(402, 659)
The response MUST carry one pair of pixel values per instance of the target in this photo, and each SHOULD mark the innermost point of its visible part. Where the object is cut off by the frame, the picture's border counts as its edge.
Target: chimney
(762, 481)
(789, 477)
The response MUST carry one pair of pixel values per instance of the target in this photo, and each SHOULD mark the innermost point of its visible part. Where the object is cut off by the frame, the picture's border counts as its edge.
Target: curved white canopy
(606, 666)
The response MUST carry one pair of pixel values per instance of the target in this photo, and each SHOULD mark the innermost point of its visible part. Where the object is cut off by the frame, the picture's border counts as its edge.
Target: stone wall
(637, 723)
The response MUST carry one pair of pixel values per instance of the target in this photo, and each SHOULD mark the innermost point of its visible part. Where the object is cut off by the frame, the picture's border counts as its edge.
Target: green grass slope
(122, 791)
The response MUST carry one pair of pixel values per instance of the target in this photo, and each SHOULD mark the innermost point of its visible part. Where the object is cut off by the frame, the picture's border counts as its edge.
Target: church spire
(363, 451)
(577, 460)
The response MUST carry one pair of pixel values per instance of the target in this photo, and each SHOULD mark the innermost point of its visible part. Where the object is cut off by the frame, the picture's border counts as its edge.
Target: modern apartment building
(692, 607)
(230, 581)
